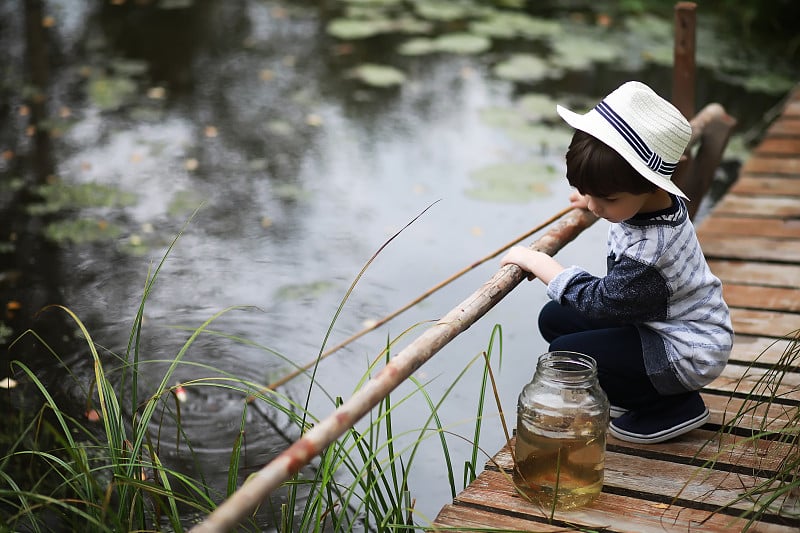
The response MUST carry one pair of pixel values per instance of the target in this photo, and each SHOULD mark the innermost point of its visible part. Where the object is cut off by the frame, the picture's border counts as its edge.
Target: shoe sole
(661, 436)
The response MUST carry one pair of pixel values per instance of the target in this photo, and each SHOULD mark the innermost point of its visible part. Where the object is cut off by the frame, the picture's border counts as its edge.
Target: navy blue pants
(617, 349)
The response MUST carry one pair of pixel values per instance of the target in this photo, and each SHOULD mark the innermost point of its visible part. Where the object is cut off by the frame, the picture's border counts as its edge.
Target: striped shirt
(658, 280)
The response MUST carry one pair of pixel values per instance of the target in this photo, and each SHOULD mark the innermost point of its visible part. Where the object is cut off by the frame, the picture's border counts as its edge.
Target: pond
(287, 142)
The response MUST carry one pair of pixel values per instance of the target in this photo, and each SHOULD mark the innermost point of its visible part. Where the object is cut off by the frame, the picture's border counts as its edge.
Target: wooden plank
(760, 350)
(667, 519)
(764, 206)
(750, 248)
(757, 381)
(751, 227)
(759, 274)
(772, 165)
(698, 449)
(691, 485)
(784, 127)
(766, 184)
(767, 323)
(779, 146)
(639, 495)
(746, 415)
(768, 298)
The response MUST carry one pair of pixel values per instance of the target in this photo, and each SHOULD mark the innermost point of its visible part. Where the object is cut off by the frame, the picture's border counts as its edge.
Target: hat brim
(598, 127)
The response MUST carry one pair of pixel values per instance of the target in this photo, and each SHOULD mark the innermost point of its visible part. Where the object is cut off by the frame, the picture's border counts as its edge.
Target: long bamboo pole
(290, 461)
(305, 368)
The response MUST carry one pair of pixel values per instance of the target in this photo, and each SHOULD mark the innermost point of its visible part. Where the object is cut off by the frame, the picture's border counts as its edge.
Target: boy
(656, 323)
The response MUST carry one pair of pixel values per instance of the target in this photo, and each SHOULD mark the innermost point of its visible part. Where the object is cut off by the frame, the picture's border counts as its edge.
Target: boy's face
(618, 206)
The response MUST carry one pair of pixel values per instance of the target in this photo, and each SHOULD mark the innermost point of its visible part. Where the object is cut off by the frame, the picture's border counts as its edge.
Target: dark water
(243, 109)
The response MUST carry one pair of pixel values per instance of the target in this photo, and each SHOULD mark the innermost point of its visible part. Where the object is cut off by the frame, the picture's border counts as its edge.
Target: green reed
(113, 477)
(771, 408)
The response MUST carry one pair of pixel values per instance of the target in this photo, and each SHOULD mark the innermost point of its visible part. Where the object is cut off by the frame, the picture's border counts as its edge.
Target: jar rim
(567, 366)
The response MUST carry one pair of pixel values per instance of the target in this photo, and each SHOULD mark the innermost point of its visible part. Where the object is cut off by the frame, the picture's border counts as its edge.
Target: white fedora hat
(646, 130)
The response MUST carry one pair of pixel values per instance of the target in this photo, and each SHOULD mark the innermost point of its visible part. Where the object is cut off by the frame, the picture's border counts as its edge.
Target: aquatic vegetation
(526, 67)
(452, 43)
(81, 231)
(62, 196)
(109, 469)
(304, 291)
(512, 25)
(512, 182)
(378, 75)
(462, 43)
(111, 93)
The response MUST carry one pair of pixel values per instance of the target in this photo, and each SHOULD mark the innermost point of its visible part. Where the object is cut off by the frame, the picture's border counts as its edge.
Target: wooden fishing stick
(274, 385)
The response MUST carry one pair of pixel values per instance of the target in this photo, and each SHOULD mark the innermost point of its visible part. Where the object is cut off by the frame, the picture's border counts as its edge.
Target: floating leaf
(60, 196)
(541, 136)
(502, 117)
(184, 202)
(535, 105)
(511, 25)
(579, 52)
(304, 291)
(111, 93)
(525, 67)
(512, 182)
(280, 127)
(291, 191)
(441, 10)
(417, 47)
(352, 29)
(378, 75)
(81, 231)
(463, 43)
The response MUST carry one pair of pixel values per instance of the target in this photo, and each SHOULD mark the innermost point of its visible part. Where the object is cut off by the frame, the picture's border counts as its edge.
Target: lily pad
(547, 138)
(110, 93)
(463, 43)
(303, 291)
(60, 196)
(418, 47)
(291, 191)
(81, 231)
(512, 25)
(580, 52)
(442, 10)
(525, 67)
(184, 202)
(354, 29)
(378, 75)
(535, 105)
(512, 182)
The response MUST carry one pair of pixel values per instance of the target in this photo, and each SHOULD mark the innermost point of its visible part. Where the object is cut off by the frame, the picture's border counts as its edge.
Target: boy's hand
(537, 264)
(578, 200)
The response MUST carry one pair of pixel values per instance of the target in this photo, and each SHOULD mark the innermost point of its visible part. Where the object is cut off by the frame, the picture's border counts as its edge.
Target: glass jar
(562, 417)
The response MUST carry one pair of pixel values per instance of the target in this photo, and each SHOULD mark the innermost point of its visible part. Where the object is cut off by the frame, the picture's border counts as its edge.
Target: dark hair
(595, 168)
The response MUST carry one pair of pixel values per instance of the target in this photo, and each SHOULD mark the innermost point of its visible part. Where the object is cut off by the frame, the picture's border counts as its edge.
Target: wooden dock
(706, 480)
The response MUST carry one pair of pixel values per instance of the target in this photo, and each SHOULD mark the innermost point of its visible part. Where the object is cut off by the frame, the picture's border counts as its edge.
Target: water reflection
(241, 108)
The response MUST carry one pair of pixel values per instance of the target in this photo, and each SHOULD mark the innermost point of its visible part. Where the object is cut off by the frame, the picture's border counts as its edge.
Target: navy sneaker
(616, 412)
(661, 422)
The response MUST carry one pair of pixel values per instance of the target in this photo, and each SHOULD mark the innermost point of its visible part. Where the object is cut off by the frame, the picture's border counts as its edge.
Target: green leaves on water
(512, 182)
(378, 75)
(110, 93)
(304, 291)
(526, 67)
(61, 196)
(81, 231)
(452, 43)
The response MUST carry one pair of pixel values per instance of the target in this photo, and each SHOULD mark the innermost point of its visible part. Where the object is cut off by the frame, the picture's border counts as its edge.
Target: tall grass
(115, 478)
(770, 411)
